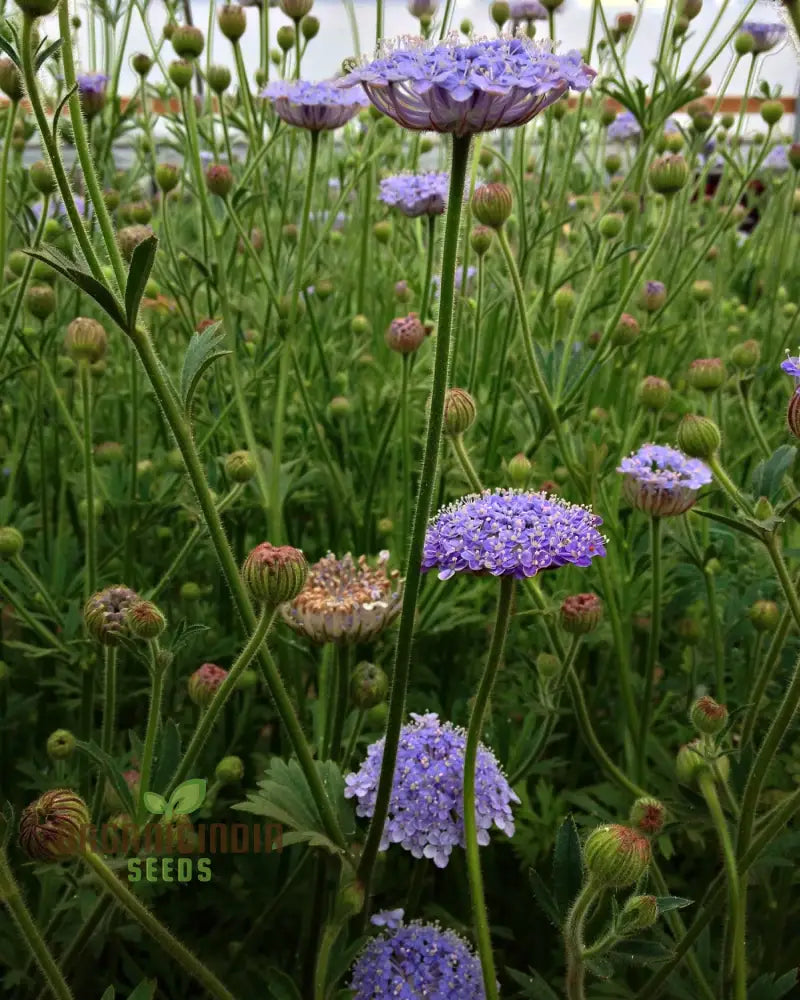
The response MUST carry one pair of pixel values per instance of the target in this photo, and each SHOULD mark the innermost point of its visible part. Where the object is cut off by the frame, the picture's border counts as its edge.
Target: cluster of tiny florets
(416, 194)
(624, 127)
(426, 810)
(661, 480)
(314, 106)
(511, 533)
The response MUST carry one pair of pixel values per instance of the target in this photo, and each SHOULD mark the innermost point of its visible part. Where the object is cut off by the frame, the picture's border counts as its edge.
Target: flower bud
(219, 179)
(616, 856)
(240, 466)
(232, 21)
(144, 620)
(763, 509)
(702, 291)
(668, 174)
(382, 231)
(492, 204)
(612, 162)
(563, 299)
(187, 41)
(105, 614)
(86, 340)
(638, 913)
(180, 73)
(771, 112)
(405, 334)
(690, 763)
(610, 225)
(273, 574)
(654, 392)
(11, 80)
(204, 684)
(459, 412)
(481, 239)
(500, 11)
(42, 177)
(61, 744)
(10, 542)
(37, 8)
(41, 301)
(706, 374)
(519, 470)
(229, 770)
(129, 238)
(648, 816)
(360, 325)
(764, 615)
(296, 9)
(698, 436)
(368, 686)
(746, 355)
(653, 295)
(285, 37)
(52, 827)
(219, 78)
(581, 613)
(708, 717)
(309, 27)
(141, 63)
(626, 331)
(167, 176)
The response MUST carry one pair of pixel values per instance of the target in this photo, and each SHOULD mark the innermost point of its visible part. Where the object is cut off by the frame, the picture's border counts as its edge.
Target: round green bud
(11, 80)
(248, 680)
(616, 856)
(459, 412)
(41, 301)
(232, 21)
(626, 331)
(240, 466)
(167, 176)
(141, 63)
(500, 11)
(481, 239)
(706, 374)
(771, 112)
(466, 27)
(610, 225)
(61, 744)
(492, 204)
(42, 177)
(37, 8)
(339, 407)
(16, 262)
(368, 686)
(191, 591)
(612, 163)
(690, 763)
(309, 27)
(285, 37)
(698, 436)
(548, 666)
(668, 174)
(10, 542)
(129, 237)
(638, 913)
(296, 9)
(219, 78)
(702, 291)
(764, 615)
(86, 340)
(563, 299)
(519, 470)
(144, 620)
(187, 41)
(654, 392)
(382, 231)
(648, 816)
(274, 574)
(360, 325)
(763, 509)
(229, 770)
(180, 72)
(708, 717)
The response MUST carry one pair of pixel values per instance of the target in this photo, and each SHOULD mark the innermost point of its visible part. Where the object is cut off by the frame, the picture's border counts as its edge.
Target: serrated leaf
(155, 803)
(667, 903)
(567, 865)
(188, 796)
(108, 766)
(168, 755)
(204, 348)
(281, 986)
(81, 279)
(138, 275)
(768, 475)
(43, 55)
(544, 897)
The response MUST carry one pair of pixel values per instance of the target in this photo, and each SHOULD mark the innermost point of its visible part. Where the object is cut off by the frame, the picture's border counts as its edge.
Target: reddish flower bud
(581, 613)
(273, 574)
(204, 684)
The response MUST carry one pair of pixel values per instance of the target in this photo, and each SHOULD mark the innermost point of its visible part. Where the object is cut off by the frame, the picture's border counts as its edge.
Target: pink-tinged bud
(187, 41)
(232, 21)
(459, 412)
(105, 614)
(144, 620)
(219, 179)
(654, 392)
(706, 374)
(648, 816)
(368, 686)
(698, 436)
(129, 238)
(616, 856)
(274, 574)
(492, 205)
(581, 613)
(52, 828)
(793, 414)
(638, 913)
(625, 22)
(626, 331)
(765, 616)
(402, 292)
(405, 334)
(708, 717)
(746, 355)
(204, 684)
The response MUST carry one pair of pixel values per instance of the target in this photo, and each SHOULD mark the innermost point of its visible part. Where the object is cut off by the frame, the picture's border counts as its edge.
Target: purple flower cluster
(426, 810)
(624, 127)
(460, 283)
(314, 106)
(662, 481)
(418, 960)
(416, 194)
(91, 83)
(526, 10)
(467, 88)
(777, 159)
(510, 533)
(765, 34)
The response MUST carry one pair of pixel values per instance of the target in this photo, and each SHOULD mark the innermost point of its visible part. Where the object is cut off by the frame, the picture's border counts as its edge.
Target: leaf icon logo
(187, 797)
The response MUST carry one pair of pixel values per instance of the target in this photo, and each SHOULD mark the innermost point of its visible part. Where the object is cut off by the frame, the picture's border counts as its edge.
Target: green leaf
(138, 274)
(81, 279)
(639, 951)
(204, 348)
(60, 106)
(168, 755)
(544, 897)
(731, 522)
(281, 986)
(567, 865)
(188, 796)
(146, 990)
(109, 994)
(285, 797)
(533, 985)
(600, 966)
(8, 48)
(155, 803)
(43, 55)
(667, 903)
(107, 765)
(767, 988)
(768, 475)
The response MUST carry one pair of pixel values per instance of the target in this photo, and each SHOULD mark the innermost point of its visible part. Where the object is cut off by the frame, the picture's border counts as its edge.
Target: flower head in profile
(765, 34)
(526, 10)
(777, 160)
(417, 960)
(624, 128)
(662, 481)
(346, 600)
(426, 809)
(317, 107)
(510, 533)
(92, 92)
(416, 194)
(792, 367)
(468, 87)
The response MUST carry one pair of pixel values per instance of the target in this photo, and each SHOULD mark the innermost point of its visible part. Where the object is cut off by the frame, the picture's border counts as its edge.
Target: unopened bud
(459, 412)
(616, 856)
(698, 436)
(274, 574)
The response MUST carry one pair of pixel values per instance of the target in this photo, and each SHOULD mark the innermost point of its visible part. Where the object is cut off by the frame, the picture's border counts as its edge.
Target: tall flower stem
(29, 932)
(472, 848)
(380, 454)
(171, 945)
(429, 255)
(405, 440)
(19, 298)
(709, 792)
(425, 489)
(573, 941)
(11, 117)
(466, 465)
(158, 670)
(763, 676)
(281, 396)
(90, 578)
(653, 640)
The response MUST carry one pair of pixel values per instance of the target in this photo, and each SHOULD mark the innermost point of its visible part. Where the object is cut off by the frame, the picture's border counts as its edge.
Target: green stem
(622, 647)
(90, 580)
(652, 645)
(11, 116)
(19, 298)
(466, 465)
(763, 677)
(380, 453)
(728, 486)
(429, 255)
(329, 935)
(472, 848)
(341, 696)
(405, 444)
(126, 899)
(573, 941)
(29, 932)
(709, 793)
(159, 670)
(717, 641)
(38, 587)
(425, 489)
